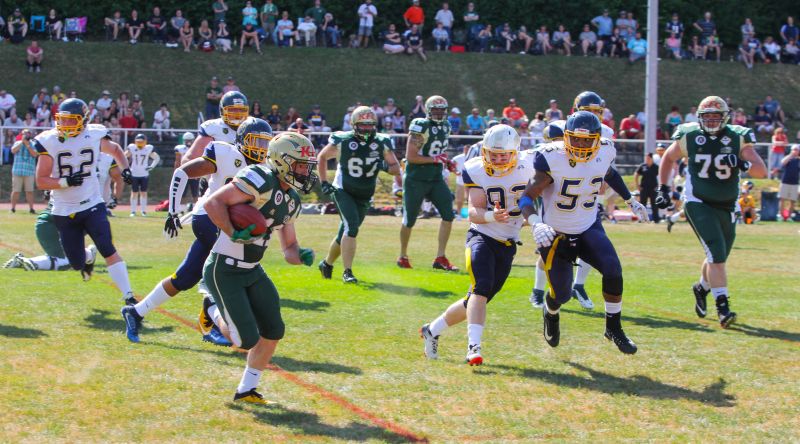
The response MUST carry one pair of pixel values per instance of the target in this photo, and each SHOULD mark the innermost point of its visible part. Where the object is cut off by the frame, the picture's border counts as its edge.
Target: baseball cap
(553, 101)
(455, 110)
(214, 78)
(106, 92)
(274, 106)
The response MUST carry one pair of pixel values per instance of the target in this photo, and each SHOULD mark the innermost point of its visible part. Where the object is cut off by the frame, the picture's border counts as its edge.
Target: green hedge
(767, 16)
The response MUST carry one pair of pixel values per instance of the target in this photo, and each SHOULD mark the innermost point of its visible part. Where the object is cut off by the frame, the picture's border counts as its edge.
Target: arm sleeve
(614, 180)
(176, 188)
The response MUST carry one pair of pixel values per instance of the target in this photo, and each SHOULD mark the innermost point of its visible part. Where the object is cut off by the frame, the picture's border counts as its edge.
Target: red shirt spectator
(512, 112)
(128, 121)
(414, 15)
(630, 128)
(779, 141)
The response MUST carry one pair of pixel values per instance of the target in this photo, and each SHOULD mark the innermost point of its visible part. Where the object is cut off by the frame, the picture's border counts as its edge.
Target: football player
(425, 157)
(221, 161)
(180, 151)
(108, 174)
(246, 295)
(234, 109)
(143, 158)
(716, 153)
(568, 177)
(747, 203)
(361, 153)
(495, 182)
(68, 156)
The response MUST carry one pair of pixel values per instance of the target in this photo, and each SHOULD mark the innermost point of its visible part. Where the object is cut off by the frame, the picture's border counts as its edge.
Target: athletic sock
(43, 263)
(119, 274)
(704, 284)
(144, 205)
(550, 301)
(541, 279)
(249, 380)
(133, 206)
(719, 291)
(438, 326)
(60, 263)
(474, 333)
(613, 307)
(582, 273)
(156, 297)
(675, 217)
(216, 315)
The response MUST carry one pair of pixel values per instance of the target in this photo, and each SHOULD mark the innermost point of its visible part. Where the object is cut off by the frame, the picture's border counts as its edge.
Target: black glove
(664, 199)
(745, 165)
(127, 176)
(327, 188)
(113, 204)
(732, 160)
(172, 225)
(75, 180)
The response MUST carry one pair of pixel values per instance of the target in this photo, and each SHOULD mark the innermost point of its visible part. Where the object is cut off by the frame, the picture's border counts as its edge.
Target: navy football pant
(488, 263)
(190, 271)
(73, 228)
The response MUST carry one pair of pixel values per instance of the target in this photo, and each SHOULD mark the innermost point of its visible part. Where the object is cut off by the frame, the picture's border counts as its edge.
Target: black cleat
(348, 278)
(700, 299)
(670, 223)
(326, 269)
(726, 316)
(551, 330)
(617, 336)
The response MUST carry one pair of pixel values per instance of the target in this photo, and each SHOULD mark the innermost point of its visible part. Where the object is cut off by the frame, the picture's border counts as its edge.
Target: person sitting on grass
(414, 43)
(249, 36)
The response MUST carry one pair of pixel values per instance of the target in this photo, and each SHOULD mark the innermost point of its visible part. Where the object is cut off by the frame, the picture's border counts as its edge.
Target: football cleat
(132, 322)
(700, 299)
(551, 330)
(28, 264)
(403, 262)
(474, 355)
(217, 338)
(348, 278)
(133, 214)
(130, 299)
(14, 262)
(537, 298)
(670, 223)
(617, 336)
(326, 269)
(579, 293)
(726, 316)
(88, 267)
(204, 322)
(252, 397)
(431, 342)
(441, 263)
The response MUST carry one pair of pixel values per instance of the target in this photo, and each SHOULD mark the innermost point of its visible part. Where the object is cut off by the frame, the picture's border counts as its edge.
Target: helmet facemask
(300, 173)
(581, 145)
(234, 115)
(255, 147)
(712, 122)
(69, 125)
(364, 122)
(498, 162)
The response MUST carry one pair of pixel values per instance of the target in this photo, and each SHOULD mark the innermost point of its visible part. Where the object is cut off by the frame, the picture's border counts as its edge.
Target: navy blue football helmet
(252, 139)
(582, 136)
(554, 131)
(589, 101)
(71, 117)
(233, 108)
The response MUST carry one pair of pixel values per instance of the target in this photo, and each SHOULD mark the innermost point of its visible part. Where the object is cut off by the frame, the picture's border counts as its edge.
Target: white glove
(638, 209)
(543, 234)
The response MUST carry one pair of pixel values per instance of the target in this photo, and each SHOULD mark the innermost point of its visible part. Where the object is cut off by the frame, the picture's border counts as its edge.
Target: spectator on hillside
(330, 31)
(135, 27)
(317, 123)
(514, 113)
(23, 170)
(34, 57)
(57, 96)
(637, 47)
(213, 95)
(174, 29)
(249, 37)
(484, 37)
(791, 53)
(249, 14)
(157, 26)
(604, 25)
(307, 32)
(617, 45)
(378, 110)
(298, 126)
(43, 115)
(747, 53)
(441, 37)
(389, 108)
(230, 85)
(772, 50)
(553, 113)
(779, 143)
(255, 110)
(186, 35)
(715, 45)
(507, 36)
(291, 116)
(608, 119)
(471, 18)
(696, 48)
(418, 108)
(17, 26)
(630, 128)
(7, 103)
(624, 25)
(317, 14)
(773, 108)
(673, 45)
(220, 9)
(706, 27)
(105, 100)
(204, 33)
(127, 120)
(223, 41)
(398, 121)
(93, 111)
(475, 123)
(445, 17)
(54, 25)
(285, 30)
(739, 117)
(161, 120)
(673, 119)
(589, 40)
(763, 122)
(632, 24)
(675, 26)
(41, 97)
(392, 42)
(789, 31)
(366, 16)
(346, 119)
(543, 40)
(789, 182)
(112, 111)
(274, 118)
(747, 29)
(13, 119)
(29, 120)
(414, 15)
(115, 23)
(526, 39)
(414, 43)
(490, 115)
(562, 40)
(138, 111)
(123, 101)
(536, 128)
(269, 17)
(455, 120)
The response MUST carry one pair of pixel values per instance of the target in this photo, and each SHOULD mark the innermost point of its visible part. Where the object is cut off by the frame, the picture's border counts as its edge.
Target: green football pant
(352, 211)
(47, 235)
(715, 227)
(415, 191)
(247, 299)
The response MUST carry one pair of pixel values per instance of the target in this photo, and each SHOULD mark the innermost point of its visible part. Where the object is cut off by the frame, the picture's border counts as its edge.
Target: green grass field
(351, 367)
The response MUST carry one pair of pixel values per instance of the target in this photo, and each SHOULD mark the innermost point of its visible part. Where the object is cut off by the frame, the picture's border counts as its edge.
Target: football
(243, 215)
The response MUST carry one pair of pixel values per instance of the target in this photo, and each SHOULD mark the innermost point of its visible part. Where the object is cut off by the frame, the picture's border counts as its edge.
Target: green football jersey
(359, 161)
(709, 178)
(435, 140)
(278, 207)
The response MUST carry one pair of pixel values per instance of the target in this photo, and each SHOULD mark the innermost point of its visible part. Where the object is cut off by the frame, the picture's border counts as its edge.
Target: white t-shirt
(366, 19)
(7, 102)
(445, 17)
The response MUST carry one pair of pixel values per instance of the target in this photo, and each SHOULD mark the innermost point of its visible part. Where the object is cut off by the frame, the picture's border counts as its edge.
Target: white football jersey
(459, 161)
(181, 149)
(104, 166)
(228, 160)
(78, 154)
(570, 203)
(507, 190)
(607, 132)
(218, 130)
(140, 159)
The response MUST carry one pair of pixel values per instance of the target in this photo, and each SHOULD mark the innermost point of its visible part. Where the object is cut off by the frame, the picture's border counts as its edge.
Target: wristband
(489, 216)
(63, 182)
(534, 219)
(525, 201)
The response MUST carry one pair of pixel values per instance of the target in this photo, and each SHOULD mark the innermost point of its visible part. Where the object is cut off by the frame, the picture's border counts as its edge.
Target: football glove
(127, 176)
(75, 180)
(543, 234)
(172, 225)
(732, 160)
(664, 199)
(113, 204)
(307, 256)
(327, 188)
(745, 165)
(243, 236)
(449, 164)
(638, 209)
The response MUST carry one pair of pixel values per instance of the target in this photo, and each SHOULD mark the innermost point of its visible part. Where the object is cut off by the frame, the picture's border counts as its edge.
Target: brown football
(244, 215)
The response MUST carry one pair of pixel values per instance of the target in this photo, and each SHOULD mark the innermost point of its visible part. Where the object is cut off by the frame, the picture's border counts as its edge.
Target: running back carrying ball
(244, 215)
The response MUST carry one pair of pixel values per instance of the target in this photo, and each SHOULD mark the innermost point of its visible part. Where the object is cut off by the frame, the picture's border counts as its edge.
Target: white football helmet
(499, 150)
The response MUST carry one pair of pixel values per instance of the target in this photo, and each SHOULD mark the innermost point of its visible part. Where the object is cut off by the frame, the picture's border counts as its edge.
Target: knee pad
(275, 332)
(612, 285)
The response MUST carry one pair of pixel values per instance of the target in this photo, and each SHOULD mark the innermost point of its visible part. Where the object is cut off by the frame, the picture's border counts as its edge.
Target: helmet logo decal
(307, 151)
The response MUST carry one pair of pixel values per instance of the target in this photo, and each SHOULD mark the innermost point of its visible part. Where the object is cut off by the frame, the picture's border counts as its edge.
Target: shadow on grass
(102, 269)
(647, 321)
(637, 385)
(11, 331)
(108, 321)
(765, 332)
(305, 305)
(310, 425)
(407, 291)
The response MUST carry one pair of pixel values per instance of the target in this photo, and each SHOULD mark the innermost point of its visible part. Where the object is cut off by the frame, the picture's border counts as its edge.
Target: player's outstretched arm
(217, 204)
(614, 180)
(154, 159)
(43, 180)
(757, 168)
(413, 145)
(180, 178)
(391, 163)
(478, 212)
(291, 248)
(197, 148)
(116, 176)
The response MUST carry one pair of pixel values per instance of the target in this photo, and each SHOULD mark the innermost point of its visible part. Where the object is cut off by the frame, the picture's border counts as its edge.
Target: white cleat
(474, 355)
(93, 256)
(431, 342)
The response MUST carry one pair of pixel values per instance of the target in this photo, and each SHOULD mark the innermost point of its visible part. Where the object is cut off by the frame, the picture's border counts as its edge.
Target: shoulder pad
(418, 125)
(97, 130)
(255, 180)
